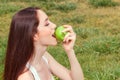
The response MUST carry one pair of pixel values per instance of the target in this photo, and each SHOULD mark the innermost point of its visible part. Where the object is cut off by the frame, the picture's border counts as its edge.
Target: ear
(36, 37)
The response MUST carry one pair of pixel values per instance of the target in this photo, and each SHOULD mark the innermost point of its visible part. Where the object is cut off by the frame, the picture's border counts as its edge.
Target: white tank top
(33, 70)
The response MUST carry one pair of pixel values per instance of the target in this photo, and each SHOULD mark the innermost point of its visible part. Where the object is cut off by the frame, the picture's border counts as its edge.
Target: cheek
(45, 33)
(44, 37)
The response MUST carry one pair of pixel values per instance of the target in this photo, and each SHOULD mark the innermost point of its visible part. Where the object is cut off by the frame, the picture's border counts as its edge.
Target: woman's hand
(69, 39)
(68, 44)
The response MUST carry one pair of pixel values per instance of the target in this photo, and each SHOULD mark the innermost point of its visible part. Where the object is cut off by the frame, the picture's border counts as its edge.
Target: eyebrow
(46, 19)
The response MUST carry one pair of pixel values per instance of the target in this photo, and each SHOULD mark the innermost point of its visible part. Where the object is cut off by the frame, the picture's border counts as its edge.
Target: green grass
(98, 33)
(66, 7)
(103, 3)
(3, 41)
(102, 45)
(4, 9)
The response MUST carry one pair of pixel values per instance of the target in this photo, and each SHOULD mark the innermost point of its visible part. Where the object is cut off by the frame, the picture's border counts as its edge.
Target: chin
(54, 44)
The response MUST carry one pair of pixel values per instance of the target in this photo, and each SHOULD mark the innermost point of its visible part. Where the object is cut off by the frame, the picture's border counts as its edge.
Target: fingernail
(62, 31)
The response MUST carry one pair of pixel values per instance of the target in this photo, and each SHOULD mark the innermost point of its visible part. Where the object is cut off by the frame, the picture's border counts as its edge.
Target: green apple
(59, 34)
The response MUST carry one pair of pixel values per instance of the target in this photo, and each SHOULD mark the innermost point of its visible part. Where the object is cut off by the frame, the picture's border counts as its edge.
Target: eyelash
(47, 24)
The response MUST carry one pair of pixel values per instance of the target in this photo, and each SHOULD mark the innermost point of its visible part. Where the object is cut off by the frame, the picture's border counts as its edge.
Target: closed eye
(47, 24)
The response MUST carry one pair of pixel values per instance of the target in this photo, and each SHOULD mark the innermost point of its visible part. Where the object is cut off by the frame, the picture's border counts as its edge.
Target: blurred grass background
(96, 23)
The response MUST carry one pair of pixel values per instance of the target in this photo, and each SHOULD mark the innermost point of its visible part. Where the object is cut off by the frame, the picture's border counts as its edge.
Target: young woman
(31, 32)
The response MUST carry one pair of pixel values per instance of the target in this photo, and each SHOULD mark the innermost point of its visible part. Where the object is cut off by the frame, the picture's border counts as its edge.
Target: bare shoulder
(26, 76)
(48, 56)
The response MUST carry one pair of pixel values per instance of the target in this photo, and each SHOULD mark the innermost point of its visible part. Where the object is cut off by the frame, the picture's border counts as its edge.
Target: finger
(70, 27)
(67, 26)
(67, 35)
(68, 30)
(69, 39)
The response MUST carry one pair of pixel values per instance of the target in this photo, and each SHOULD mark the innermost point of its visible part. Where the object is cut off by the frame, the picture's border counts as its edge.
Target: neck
(38, 53)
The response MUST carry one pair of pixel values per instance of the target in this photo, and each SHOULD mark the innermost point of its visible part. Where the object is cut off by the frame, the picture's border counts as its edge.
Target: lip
(53, 34)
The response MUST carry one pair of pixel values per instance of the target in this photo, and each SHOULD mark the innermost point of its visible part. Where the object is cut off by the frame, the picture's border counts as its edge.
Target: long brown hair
(20, 42)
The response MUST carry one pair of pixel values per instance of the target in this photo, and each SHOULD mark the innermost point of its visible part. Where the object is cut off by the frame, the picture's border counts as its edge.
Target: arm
(76, 71)
(57, 69)
(63, 73)
(68, 44)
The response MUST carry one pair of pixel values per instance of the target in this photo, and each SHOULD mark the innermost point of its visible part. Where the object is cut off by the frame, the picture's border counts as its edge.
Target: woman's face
(45, 29)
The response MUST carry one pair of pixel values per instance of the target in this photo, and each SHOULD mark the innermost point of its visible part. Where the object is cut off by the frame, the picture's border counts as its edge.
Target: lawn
(96, 23)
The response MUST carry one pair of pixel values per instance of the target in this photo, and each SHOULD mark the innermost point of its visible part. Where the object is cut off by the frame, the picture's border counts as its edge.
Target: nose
(53, 26)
